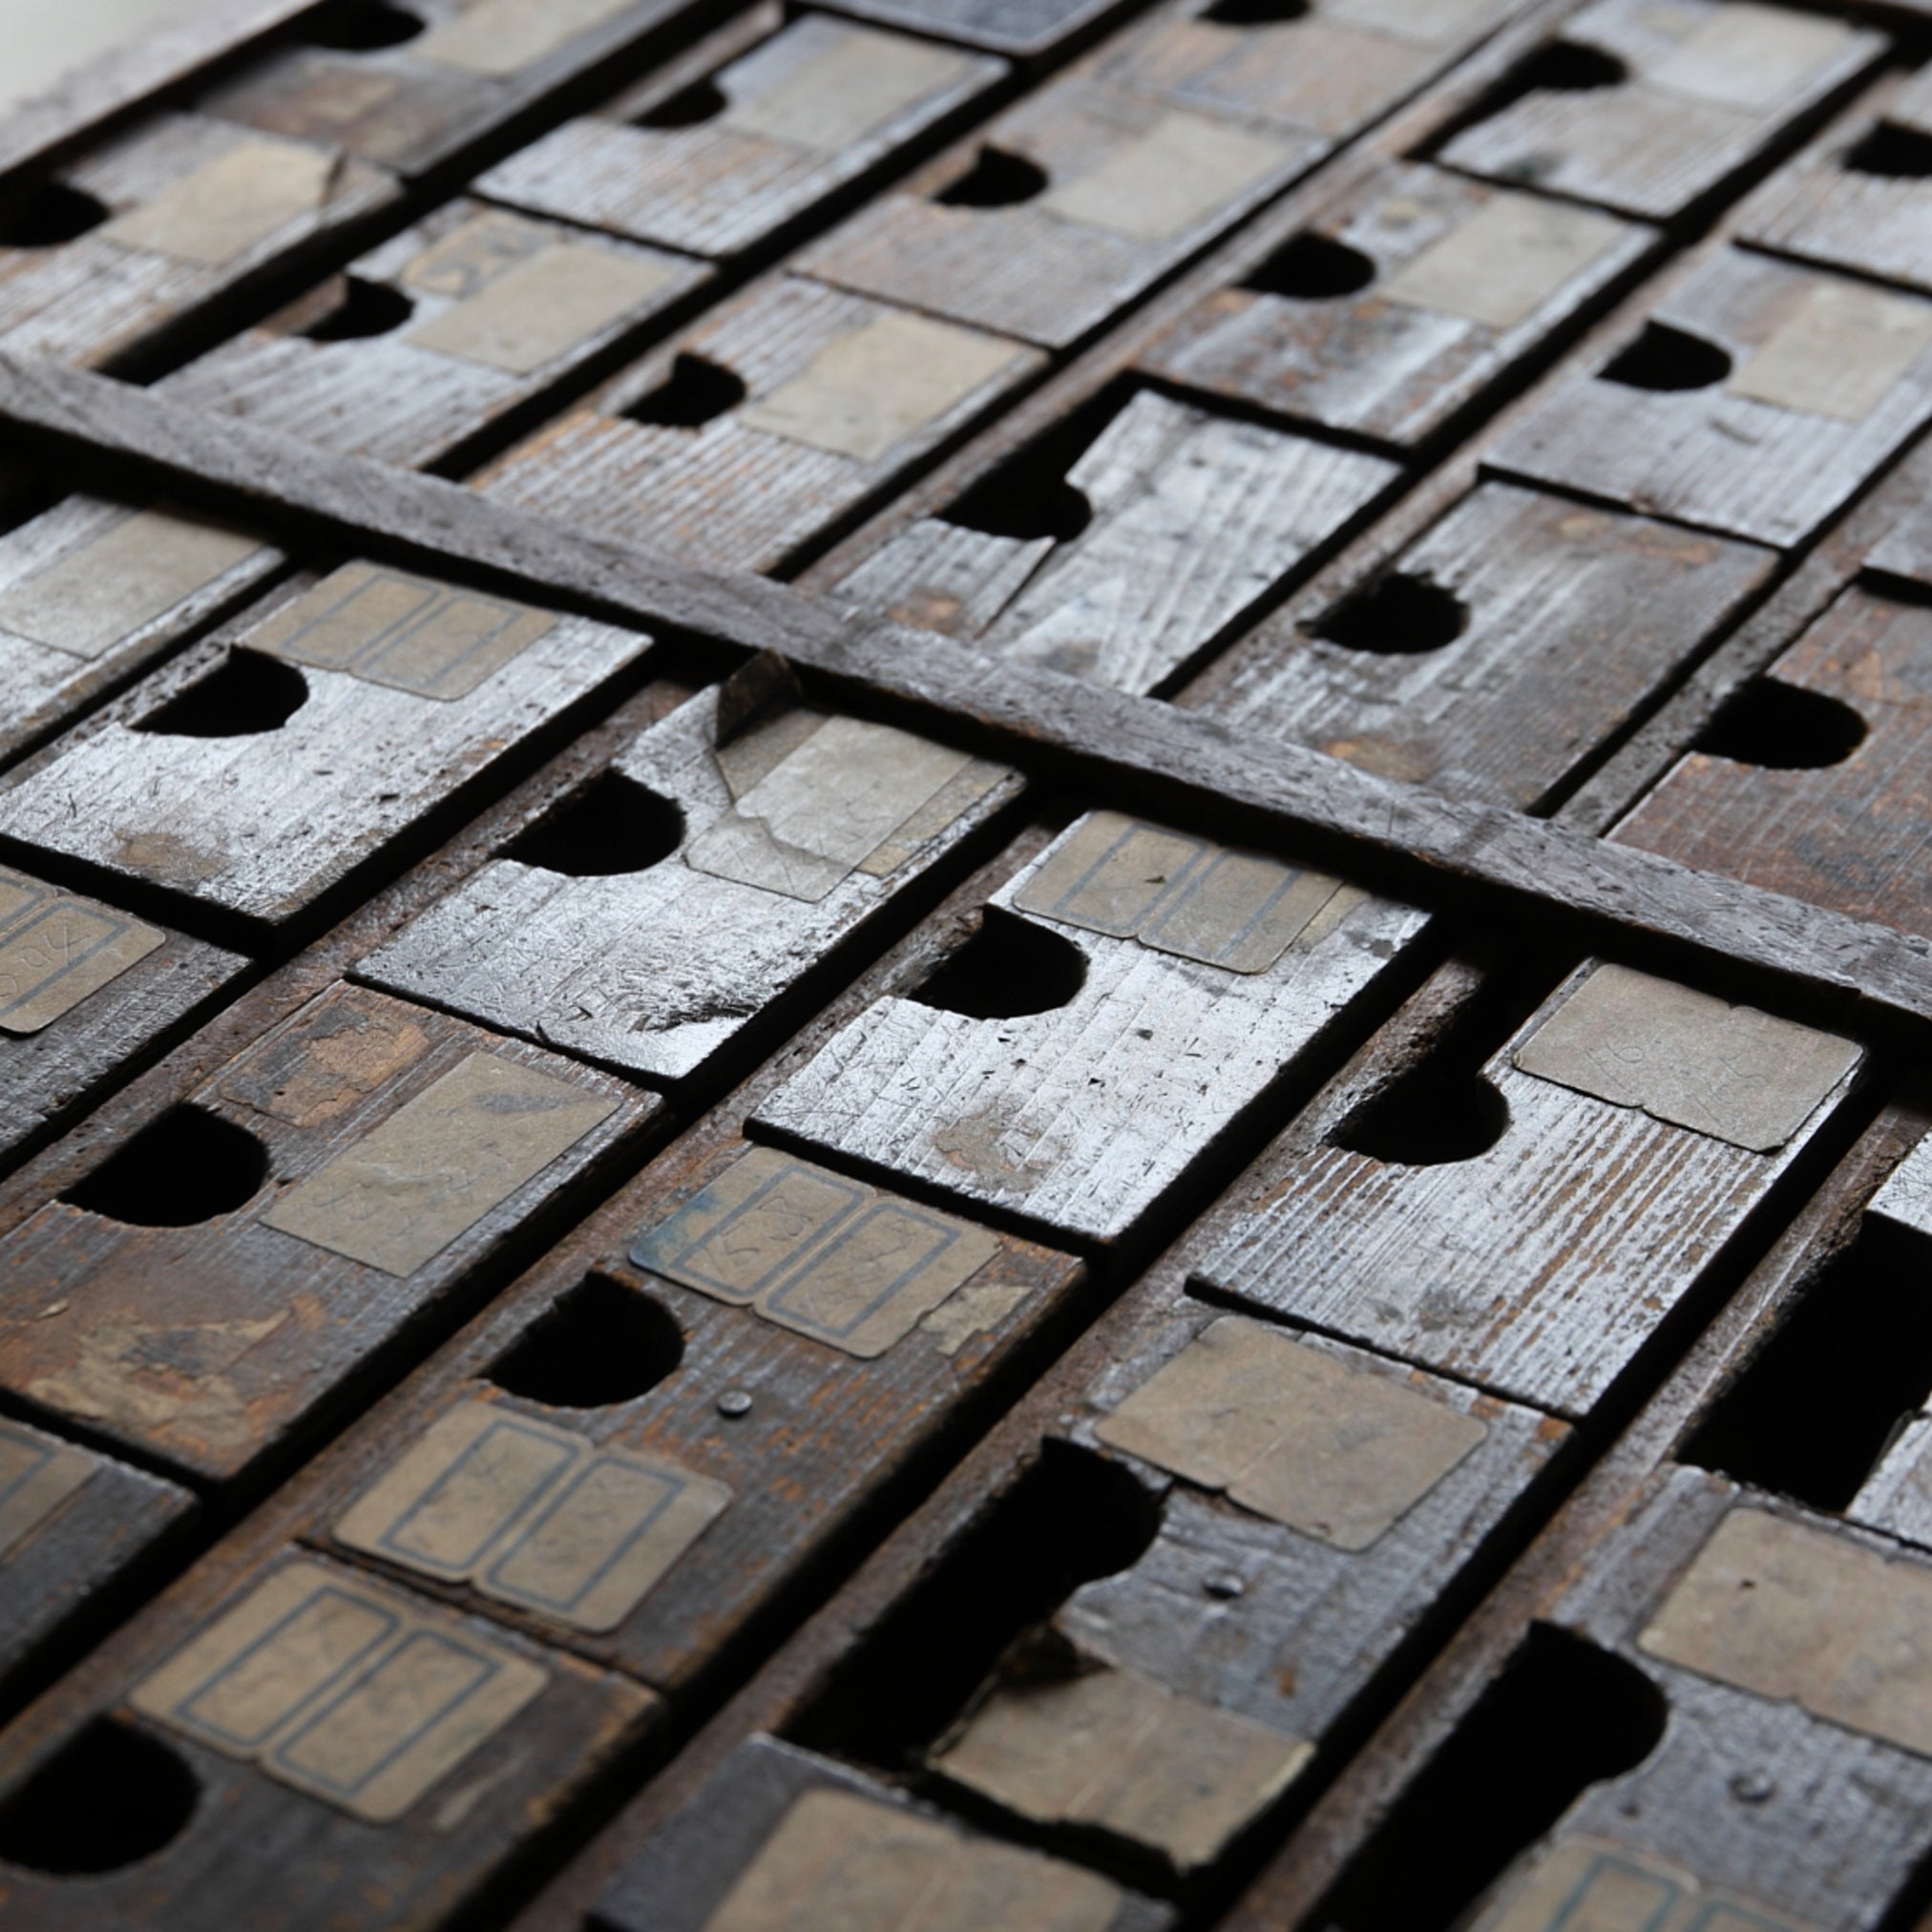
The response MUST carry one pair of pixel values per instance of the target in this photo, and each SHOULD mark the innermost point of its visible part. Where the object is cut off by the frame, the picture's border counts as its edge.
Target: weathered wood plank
(1105, 1045)
(378, 1762)
(1391, 308)
(108, 251)
(1492, 654)
(749, 864)
(261, 770)
(746, 435)
(1528, 1226)
(1758, 397)
(1187, 520)
(746, 149)
(423, 344)
(1655, 110)
(205, 1291)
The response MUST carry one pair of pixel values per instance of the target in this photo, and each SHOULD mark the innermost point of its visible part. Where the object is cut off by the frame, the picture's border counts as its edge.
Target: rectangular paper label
(1107, 1748)
(92, 597)
(439, 1164)
(809, 823)
(545, 305)
(230, 205)
(1731, 1072)
(1584, 1884)
(56, 950)
(838, 1860)
(1795, 1612)
(1748, 56)
(535, 1516)
(1175, 893)
(1293, 1434)
(346, 1690)
(1512, 256)
(868, 390)
(500, 37)
(856, 84)
(37, 1474)
(828, 1257)
(1838, 353)
(390, 628)
(1184, 169)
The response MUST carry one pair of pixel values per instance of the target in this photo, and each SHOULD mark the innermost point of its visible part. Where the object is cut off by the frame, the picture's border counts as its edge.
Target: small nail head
(733, 1403)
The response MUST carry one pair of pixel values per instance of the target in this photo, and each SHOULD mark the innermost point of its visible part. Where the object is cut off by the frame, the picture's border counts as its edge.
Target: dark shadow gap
(1010, 966)
(248, 692)
(1812, 1412)
(46, 214)
(360, 25)
(1890, 152)
(996, 180)
(108, 1798)
(1665, 358)
(1560, 1716)
(1395, 614)
(598, 1344)
(186, 1165)
(1783, 727)
(1310, 268)
(1070, 1518)
(611, 825)
(363, 310)
(694, 393)
(689, 107)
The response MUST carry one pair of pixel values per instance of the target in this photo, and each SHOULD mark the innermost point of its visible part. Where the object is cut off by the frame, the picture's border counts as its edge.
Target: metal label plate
(824, 1256)
(341, 1688)
(55, 950)
(1731, 1072)
(1748, 56)
(1110, 1748)
(1838, 353)
(868, 390)
(844, 1861)
(439, 1164)
(1291, 1432)
(497, 38)
(231, 204)
(520, 307)
(390, 628)
(1175, 893)
(1175, 176)
(37, 1474)
(826, 809)
(1586, 1885)
(1796, 1612)
(92, 597)
(536, 1517)
(857, 82)
(1512, 256)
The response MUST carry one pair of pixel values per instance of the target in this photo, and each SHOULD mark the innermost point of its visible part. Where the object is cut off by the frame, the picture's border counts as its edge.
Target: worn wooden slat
(1856, 197)
(746, 435)
(1028, 28)
(447, 327)
(1826, 805)
(350, 1688)
(1099, 1067)
(1389, 309)
(418, 104)
(72, 1524)
(1150, 747)
(812, 108)
(1189, 519)
(1542, 1244)
(94, 590)
(1653, 111)
(163, 219)
(201, 1295)
(1758, 397)
(382, 692)
(1489, 655)
(654, 962)
(681, 1879)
